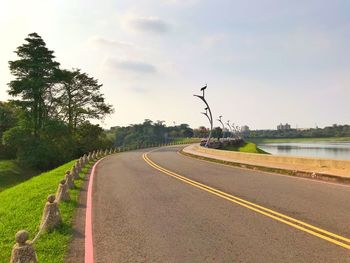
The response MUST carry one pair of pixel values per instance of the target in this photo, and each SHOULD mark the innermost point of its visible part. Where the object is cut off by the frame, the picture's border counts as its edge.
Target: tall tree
(35, 73)
(81, 98)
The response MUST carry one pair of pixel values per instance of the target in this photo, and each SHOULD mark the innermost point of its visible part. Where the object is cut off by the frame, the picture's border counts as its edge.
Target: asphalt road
(141, 214)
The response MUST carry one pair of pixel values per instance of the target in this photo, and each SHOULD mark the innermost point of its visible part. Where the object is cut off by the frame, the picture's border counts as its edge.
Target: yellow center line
(257, 208)
(269, 210)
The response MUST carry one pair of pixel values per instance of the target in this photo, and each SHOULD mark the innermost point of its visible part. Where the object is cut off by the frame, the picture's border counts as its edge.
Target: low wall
(265, 158)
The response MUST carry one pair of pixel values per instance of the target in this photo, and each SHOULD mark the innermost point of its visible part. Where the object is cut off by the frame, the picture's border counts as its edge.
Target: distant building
(284, 127)
(244, 128)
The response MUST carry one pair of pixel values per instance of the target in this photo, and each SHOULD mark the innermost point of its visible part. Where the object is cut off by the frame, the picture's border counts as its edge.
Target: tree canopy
(48, 122)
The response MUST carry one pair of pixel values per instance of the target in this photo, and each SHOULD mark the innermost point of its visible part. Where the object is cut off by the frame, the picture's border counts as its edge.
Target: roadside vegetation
(47, 122)
(150, 132)
(246, 147)
(21, 207)
(44, 125)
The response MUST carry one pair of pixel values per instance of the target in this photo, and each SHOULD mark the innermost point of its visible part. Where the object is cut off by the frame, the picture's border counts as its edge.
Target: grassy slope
(21, 207)
(332, 139)
(248, 147)
(11, 173)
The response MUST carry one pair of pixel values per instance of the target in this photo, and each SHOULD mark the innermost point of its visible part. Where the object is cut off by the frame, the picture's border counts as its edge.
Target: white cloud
(100, 41)
(132, 66)
(149, 24)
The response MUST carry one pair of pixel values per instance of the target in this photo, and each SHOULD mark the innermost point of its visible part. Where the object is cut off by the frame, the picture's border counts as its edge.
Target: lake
(332, 150)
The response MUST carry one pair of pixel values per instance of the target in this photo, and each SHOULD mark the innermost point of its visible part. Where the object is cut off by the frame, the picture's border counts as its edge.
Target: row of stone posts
(23, 251)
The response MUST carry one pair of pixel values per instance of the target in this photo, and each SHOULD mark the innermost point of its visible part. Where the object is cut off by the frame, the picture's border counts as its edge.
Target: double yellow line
(315, 231)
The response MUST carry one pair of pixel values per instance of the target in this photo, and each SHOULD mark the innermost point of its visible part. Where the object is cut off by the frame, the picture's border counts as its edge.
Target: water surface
(332, 150)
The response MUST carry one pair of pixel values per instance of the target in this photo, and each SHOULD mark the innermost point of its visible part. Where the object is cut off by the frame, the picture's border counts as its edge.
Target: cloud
(138, 89)
(100, 41)
(131, 66)
(181, 2)
(148, 24)
(210, 41)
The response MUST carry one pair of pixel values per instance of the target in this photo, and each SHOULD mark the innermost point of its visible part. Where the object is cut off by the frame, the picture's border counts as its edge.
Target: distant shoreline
(324, 139)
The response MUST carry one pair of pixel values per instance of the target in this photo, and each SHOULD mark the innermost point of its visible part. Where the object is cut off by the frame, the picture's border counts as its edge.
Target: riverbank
(247, 147)
(325, 139)
(315, 168)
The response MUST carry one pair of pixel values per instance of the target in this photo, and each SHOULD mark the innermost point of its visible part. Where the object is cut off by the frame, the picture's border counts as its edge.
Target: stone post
(62, 192)
(78, 167)
(74, 172)
(69, 180)
(51, 216)
(23, 251)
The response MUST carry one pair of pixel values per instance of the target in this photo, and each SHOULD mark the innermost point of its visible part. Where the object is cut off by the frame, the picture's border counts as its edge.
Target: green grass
(21, 207)
(247, 147)
(11, 173)
(328, 139)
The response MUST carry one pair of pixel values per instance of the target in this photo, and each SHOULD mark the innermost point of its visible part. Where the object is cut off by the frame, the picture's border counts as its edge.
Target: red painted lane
(89, 249)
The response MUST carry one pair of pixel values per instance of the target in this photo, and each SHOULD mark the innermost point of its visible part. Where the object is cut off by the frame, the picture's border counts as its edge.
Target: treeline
(148, 132)
(331, 131)
(48, 121)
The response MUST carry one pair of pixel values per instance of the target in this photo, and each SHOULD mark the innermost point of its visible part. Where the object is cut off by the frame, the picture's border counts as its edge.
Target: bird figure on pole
(202, 89)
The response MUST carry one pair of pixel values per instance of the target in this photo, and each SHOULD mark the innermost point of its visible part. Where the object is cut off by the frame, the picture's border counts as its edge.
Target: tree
(54, 106)
(201, 132)
(80, 98)
(146, 133)
(89, 137)
(217, 133)
(8, 116)
(35, 74)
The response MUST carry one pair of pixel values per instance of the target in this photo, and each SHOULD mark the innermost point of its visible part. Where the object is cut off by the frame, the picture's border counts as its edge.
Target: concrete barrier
(320, 165)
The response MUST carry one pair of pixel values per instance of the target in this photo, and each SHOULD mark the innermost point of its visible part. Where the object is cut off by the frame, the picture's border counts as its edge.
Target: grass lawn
(21, 207)
(247, 147)
(11, 173)
(328, 139)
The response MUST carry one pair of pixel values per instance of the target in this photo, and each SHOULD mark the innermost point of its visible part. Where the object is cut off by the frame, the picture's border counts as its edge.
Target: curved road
(144, 211)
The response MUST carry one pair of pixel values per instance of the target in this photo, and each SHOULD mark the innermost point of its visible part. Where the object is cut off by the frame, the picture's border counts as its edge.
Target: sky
(265, 61)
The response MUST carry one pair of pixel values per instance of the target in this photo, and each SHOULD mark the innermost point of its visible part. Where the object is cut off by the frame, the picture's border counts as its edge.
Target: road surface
(166, 207)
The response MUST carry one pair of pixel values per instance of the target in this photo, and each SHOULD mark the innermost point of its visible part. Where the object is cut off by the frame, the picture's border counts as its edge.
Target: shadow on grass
(12, 173)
